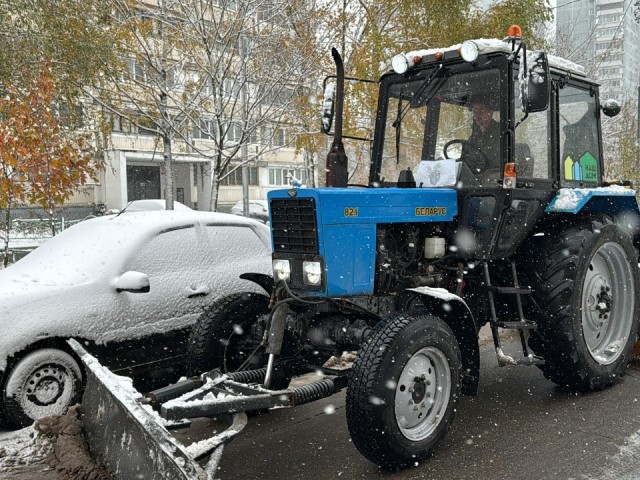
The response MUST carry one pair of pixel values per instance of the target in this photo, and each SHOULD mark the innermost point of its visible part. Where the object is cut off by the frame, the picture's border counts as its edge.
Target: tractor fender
(265, 281)
(614, 200)
(455, 312)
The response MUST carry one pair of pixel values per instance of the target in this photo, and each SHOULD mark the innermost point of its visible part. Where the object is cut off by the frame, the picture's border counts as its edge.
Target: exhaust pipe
(337, 162)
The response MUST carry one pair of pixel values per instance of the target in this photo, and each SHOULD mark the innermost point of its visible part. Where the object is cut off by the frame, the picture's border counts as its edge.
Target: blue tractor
(484, 202)
(446, 232)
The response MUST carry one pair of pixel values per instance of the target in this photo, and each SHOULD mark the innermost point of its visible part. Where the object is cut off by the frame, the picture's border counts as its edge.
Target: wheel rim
(47, 391)
(608, 302)
(422, 393)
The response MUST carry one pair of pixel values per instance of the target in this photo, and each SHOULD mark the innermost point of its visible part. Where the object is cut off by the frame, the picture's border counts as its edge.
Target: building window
(609, 6)
(235, 177)
(137, 70)
(234, 132)
(204, 129)
(286, 176)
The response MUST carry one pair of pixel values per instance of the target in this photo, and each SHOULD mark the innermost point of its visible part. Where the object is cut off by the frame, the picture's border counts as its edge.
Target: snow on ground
(624, 464)
(22, 447)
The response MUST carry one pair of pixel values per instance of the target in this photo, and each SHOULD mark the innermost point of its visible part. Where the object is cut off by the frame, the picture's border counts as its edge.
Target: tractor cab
(502, 126)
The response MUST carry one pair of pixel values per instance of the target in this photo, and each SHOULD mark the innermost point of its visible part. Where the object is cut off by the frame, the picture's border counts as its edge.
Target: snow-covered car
(153, 204)
(128, 287)
(258, 209)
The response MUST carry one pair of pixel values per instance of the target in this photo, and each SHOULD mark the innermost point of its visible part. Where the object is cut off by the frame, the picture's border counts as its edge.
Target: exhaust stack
(337, 172)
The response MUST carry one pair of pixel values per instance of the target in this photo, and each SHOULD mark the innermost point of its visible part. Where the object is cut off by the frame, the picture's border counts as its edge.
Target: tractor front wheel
(403, 389)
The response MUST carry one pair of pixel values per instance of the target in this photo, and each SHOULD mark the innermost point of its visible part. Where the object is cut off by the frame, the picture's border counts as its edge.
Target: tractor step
(517, 325)
(510, 290)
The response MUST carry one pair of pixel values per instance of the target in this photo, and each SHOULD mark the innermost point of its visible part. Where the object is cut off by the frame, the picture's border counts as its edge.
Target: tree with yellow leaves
(41, 162)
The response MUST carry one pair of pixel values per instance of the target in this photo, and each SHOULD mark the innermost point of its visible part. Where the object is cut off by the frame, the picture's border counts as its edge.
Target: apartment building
(133, 148)
(603, 36)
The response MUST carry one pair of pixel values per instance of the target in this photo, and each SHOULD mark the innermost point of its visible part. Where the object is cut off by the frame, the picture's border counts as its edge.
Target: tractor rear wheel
(403, 389)
(587, 278)
(219, 339)
(224, 337)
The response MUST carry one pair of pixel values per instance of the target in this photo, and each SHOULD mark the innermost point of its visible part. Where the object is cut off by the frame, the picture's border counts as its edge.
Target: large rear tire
(403, 389)
(219, 337)
(587, 280)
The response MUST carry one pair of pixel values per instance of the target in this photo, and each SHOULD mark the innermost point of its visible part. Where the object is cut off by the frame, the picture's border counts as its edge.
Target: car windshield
(81, 253)
(454, 117)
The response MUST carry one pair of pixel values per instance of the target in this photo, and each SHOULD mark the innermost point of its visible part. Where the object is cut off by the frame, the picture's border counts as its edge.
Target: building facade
(603, 36)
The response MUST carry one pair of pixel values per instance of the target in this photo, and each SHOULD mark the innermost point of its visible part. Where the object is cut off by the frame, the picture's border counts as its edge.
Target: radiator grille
(293, 222)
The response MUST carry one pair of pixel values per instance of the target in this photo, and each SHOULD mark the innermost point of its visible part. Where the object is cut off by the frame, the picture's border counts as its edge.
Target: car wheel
(45, 382)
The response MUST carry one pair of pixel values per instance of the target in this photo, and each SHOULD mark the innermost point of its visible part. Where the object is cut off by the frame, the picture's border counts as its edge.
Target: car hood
(22, 291)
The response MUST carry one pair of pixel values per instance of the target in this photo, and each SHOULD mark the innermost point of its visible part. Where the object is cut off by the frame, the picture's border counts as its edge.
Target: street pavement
(520, 426)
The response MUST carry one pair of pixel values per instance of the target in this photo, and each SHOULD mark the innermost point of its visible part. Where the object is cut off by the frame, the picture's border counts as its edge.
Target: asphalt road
(520, 426)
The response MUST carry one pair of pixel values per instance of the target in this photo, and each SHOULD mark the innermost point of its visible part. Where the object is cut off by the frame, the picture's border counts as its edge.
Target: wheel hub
(419, 389)
(608, 299)
(604, 301)
(45, 386)
(422, 393)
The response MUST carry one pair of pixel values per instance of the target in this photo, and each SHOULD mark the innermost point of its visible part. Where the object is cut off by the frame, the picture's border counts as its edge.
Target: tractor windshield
(442, 125)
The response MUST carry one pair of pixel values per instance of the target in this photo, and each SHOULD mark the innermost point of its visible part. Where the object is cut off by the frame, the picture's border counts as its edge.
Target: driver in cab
(482, 149)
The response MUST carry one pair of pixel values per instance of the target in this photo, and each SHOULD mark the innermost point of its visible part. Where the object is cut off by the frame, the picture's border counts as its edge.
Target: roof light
(400, 63)
(514, 31)
(439, 56)
(469, 51)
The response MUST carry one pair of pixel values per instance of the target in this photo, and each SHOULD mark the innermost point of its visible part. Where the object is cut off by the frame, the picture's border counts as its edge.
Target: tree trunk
(168, 172)
(214, 193)
(7, 231)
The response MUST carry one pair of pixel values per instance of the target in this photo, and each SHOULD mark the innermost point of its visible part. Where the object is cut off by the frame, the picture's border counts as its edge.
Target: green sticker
(584, 170)
(589, 168)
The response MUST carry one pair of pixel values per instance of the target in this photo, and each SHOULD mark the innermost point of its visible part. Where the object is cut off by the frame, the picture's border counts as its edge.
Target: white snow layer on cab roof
(489, 45)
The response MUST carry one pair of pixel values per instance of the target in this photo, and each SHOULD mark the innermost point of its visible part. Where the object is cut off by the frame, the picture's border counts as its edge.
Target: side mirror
(534, 87)
(134, 282)
(610, 107)
(328, 103)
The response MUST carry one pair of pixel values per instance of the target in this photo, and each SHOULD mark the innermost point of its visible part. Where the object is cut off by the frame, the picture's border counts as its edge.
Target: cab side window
(578, 128)
(531, 154)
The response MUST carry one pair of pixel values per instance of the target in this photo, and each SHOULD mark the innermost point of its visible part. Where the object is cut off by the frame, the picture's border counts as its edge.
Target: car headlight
(282, 270)
(469, 51)
(312, 273)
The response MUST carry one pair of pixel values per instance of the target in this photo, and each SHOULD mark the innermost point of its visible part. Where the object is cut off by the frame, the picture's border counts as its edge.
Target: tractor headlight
(312, 273)
(399, 63)
(469, 51)
(282, 270)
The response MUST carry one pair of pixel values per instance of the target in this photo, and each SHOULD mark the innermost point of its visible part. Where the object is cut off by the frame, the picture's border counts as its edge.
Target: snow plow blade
(127, 433)
(129, 438)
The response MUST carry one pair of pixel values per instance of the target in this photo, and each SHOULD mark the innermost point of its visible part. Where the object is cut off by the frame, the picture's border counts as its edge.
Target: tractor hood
(377, 205)
(338, 227)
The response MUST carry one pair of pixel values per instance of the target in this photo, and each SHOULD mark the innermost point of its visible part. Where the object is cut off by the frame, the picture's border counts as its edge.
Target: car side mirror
(535, 85)
(134, 282)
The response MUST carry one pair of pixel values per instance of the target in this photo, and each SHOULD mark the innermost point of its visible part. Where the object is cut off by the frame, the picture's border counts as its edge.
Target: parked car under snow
(258, 210)
(128, 287)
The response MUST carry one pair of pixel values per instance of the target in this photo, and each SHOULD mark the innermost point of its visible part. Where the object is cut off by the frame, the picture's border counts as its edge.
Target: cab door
(534, 156)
